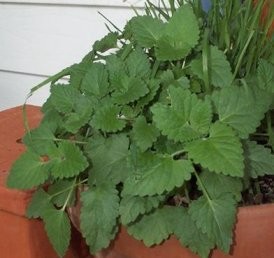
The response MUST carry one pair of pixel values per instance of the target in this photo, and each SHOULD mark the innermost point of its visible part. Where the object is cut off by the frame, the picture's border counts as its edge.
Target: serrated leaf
(95, 81)
(138, 64)
(215, 217)
(217, 184)
(28, 171)
(106, 43)
(221, 152)
(180, 35)
(129, 90)
(233, 107)
(116, 69)
(189, 235)
(57, 225)
(153, 228)
(157, 174)
(99, 216)
(40, 140)
(259, 160)
(133, 206)
(63, 97)
(144, 134)
(265, 74)
(40, 202)
(68, 160)
(219, 69)
(146, 30)
(186, 119)
(61, 190)
(109, 158)
(107, 119)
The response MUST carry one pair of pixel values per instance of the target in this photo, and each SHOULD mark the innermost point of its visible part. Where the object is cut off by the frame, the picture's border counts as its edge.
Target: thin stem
(205, 55)
(68, 197)
(206, 194)
(176, 153)
(69, 140)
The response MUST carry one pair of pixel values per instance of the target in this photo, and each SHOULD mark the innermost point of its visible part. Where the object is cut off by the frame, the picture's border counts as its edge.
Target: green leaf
(60, 190)
(28, 171)
(129, 90)
(221, 152)
(217, 184)
(186, 119)
(106, 43)
(133, 206)
(265, 75)
(63, 97)
(153, 228)
(99, 216)
(259, 160)
(68, 160)
(40, 202)
(157, 174)
(146, 30)
(220, 74)
(144, 134)
(109, 158)
(180, 35)
(233, 107)
(107, 119)
(40, 140)
(57, 225)
(189, 235)
(138, 64)
(215, 217)
(95, 81)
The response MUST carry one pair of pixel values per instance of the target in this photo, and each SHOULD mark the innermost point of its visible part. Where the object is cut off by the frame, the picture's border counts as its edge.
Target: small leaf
(57, 225)
(106, 43)
(265, 75)
(68, 160)
(138, 64)
(220, 73)
(109, 158)
(146, 30)
(259, 160)
(153, 228)
(144, 134)
(40, 140)
(40, 202)
(133, 206)
(189, 235)
(28, 171)
(157, 174)
(106, 118)
(129, 90)
(217, 184)
(99, 216)
(233, 107)
(60, 190)
(186, 119)
(215, 217)
(221, 152)
(180, 35)
(95, 81)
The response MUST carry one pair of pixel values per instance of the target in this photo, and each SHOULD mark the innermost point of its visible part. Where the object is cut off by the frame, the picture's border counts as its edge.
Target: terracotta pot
(253, 238)
(19, 236)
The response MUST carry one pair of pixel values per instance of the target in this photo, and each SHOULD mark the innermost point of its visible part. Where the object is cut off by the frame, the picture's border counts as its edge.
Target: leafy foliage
(162, 126)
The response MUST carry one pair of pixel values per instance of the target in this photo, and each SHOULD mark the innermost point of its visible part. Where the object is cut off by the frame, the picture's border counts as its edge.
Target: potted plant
(165, 127)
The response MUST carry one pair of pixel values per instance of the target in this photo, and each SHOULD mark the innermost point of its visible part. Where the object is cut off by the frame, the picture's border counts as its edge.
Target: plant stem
(176, 153)
(206, 194)
(68, 197)
(205, 55)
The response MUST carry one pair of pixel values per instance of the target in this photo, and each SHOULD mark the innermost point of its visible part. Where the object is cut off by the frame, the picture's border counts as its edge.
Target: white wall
(39, 38)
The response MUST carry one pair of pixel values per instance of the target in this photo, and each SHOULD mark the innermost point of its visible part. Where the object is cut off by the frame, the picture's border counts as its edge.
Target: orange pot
(19, 236)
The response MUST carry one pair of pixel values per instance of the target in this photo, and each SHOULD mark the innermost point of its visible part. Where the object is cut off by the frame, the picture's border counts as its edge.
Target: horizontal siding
(116, 3)
(15, 87)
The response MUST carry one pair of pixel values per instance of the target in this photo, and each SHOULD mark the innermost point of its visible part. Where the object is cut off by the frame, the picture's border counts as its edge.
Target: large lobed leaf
(221, 152)
(186, 119)
(99, 216)
(157, 174)
(233, 107)
(215, 217)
